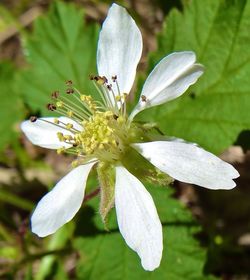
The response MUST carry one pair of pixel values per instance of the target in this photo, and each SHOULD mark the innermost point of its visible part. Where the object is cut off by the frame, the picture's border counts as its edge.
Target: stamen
(105, 79)
(64, 112)
(59, 104)
(99, 83)
(60, 136)
(69, 126)
(61, 150)
(68, 138)
(33, 118)
(88, 102)
(114, 78)
(102, 93)
(55, 94)
(70, 91)
(105, 128)
(124, 105)
(89, 106)
(69, 83)
(109, 87)
(70, 114)
(63, 126)
(66, 105)
(101, 80)
(74, 163)
(51, 107)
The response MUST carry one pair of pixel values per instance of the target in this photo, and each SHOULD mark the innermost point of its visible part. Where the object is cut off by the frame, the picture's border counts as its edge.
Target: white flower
(99, 132)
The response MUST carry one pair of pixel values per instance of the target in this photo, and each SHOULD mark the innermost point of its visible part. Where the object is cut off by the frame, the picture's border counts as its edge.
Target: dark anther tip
(69, 83)
(143, 98)
(70, 91)
(55, 94)
(51, 107)
(33, 118)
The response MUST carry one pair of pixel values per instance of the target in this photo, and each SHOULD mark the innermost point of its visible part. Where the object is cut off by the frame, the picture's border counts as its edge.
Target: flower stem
(91, 194)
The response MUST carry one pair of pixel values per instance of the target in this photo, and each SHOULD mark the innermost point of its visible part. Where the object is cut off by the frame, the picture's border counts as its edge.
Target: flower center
(99, 128)
(103, 136)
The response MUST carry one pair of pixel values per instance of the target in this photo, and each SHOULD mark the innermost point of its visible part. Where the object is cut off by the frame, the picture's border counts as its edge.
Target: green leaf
(62, 47)
(8, 197)
(216, 109)
(105, 255)
(57, 241)
(11, 106)
(9, 252)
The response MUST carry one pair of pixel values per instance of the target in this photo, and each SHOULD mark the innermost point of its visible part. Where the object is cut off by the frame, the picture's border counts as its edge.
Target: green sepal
(106, 177)
(143, 169)
(147, 132)
(142, 132)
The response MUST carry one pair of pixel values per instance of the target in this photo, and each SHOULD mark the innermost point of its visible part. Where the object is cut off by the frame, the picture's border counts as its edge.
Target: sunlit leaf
(57, 241)
(105, 255)
(216, 109)
(61, 47)
(11, 106)
(13, 199)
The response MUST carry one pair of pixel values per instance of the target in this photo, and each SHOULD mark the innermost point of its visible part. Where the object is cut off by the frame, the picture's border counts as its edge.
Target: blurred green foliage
(62, 47)
(105, 255)
(216, 109)
(12, 109)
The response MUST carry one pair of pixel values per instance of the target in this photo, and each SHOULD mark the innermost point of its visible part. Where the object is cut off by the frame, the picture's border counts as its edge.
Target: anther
(125, 95)
(69, 83)
(69, 125)
(51, 107)
(143, 98)
(74, 163)
(68, 137)
(59, 104)
(101, 80)
(109, 87)
(55, 94)
(114, 78)
(60, 150)
(105, 79)
(70, 114)
(33, 118)
(60, 136)
(70, 91)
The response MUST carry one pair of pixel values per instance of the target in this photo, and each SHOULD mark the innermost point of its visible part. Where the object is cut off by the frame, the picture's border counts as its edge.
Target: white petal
(137, 218)
(44, 134)
(60, 205)
(119, 48)
(189, 163)
(170, 78)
